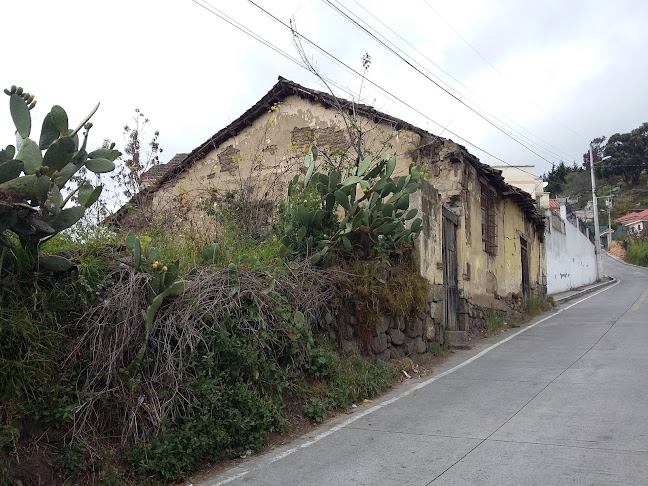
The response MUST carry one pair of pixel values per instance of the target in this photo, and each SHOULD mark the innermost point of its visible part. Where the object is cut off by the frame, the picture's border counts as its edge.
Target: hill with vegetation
(620, 162)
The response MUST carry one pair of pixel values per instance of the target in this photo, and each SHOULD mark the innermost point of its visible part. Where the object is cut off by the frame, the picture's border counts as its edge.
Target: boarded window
(489, 221)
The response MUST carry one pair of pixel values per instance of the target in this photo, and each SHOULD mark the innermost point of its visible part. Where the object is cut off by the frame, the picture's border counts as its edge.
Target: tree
(139, 156)
(629, 155)
(556, 177)
(598, 146)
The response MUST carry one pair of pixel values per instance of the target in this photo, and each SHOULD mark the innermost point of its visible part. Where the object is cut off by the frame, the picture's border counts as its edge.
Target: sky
(553, 74)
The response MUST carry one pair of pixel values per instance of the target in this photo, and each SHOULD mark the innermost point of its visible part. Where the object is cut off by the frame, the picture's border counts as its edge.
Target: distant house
(521, 176)
(635, 222)
(482, 243)
(156, 173)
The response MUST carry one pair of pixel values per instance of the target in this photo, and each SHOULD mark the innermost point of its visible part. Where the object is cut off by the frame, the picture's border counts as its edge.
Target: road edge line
(409, 391)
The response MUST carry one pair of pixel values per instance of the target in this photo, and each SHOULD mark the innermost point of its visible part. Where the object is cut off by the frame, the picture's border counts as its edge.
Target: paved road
(564, 402)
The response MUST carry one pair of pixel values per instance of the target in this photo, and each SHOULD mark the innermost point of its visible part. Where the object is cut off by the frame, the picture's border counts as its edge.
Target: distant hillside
(621, 163)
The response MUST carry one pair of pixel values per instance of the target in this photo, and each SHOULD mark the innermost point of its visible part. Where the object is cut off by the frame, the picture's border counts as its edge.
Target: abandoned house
(482, 241)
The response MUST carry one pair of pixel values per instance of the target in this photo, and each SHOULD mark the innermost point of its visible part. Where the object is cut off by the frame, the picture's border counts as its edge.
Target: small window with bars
(489, 221)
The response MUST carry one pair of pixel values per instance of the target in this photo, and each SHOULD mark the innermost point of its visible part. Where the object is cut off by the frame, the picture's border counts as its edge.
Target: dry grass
(617, 250)
(114, 332)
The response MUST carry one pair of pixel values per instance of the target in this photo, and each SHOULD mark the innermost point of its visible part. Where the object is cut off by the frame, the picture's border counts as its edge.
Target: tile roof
(633, 217)
(157, 172)
(554, 204)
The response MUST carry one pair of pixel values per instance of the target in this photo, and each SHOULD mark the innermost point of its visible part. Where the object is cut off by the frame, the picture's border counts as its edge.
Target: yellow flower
(155, 265)
(164, 268)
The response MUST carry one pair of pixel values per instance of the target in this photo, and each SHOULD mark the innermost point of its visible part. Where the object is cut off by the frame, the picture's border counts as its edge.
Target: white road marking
(423, 384)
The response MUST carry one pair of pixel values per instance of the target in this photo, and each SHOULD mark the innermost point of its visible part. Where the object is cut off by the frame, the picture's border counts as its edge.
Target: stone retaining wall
(394, 337)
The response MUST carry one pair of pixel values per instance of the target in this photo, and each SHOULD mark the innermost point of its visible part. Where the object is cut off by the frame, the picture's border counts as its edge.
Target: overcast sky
(558, 72)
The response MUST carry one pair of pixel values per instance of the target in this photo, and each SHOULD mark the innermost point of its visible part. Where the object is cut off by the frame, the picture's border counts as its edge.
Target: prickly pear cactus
(34, 199)
(377, 214)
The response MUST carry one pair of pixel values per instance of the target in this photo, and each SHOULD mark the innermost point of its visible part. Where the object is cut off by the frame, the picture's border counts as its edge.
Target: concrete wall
(571, 260)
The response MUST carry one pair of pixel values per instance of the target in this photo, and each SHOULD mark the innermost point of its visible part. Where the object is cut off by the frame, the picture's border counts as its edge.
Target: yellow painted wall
(486, 280)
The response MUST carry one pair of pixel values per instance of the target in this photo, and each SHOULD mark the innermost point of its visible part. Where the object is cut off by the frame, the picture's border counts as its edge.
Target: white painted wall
(571, 260)
(521, 176)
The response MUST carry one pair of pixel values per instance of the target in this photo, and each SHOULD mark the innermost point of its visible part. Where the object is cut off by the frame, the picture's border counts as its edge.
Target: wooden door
(450, 283)
(526, 285)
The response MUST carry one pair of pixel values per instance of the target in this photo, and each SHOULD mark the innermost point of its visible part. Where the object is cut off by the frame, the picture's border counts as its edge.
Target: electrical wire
(248, 32)
(559, 151)
(499, 73)
(393, 51)
(380, 88)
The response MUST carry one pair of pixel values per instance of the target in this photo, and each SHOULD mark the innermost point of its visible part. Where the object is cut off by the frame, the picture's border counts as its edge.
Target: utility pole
(597, 235)
(609, 235)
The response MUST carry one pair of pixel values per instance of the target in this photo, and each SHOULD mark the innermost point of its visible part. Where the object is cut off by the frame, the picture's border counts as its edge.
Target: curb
(623, 261)
(589, 290)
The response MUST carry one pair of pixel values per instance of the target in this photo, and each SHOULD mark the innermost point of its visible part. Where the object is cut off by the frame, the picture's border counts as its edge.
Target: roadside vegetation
(136, 358)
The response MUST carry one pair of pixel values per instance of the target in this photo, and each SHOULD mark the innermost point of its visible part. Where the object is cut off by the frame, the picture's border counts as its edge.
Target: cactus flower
(164, 268)
(155, 265)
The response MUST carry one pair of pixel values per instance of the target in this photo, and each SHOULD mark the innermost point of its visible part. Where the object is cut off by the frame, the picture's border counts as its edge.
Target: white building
(522, 176)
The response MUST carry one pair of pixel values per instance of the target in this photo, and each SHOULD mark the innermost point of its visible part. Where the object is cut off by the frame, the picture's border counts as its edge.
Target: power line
(247, 31)
(559, 156)
(223, 16)
(394, 97)
(390, 49)
(495, 69)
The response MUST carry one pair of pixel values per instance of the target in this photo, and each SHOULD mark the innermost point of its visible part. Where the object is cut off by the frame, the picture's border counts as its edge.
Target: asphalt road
(562, 402)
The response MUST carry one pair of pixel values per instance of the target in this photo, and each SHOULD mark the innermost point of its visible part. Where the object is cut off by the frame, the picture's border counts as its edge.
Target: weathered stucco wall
(571, 260)
(264, 156)
(485, 281)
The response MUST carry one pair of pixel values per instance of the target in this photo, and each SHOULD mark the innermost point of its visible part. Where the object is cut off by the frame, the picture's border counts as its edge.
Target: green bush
(322, 363)
(536, 306)
(375, 208)
(355, 378)
(637, 253)
(495, 320)
(226, 418)
(302, 201)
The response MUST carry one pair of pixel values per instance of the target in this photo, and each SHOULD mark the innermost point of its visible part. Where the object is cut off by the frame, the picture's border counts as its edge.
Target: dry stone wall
(392, 337)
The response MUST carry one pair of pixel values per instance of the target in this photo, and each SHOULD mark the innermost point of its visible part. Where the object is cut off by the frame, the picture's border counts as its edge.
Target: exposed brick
(328, 137)
(228, 159)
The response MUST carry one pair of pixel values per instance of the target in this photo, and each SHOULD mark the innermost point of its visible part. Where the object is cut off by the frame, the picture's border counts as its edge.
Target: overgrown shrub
(376, 218)
(386, 288)
(537, 305)
(355, 378)
(495, 320)
(637, 253)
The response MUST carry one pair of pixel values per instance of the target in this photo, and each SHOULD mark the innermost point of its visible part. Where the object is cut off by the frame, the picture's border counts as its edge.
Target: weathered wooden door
(526, 285)
(450, 287)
